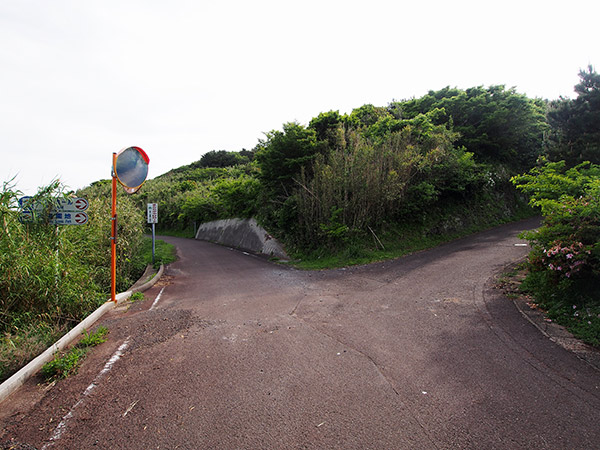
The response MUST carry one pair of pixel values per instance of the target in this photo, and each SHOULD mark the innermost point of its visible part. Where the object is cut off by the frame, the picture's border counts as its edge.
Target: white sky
(80, 79)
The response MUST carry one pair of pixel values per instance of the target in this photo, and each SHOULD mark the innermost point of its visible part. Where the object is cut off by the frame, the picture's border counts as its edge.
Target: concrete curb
(552, 331)
(558, 334)
(19, 378)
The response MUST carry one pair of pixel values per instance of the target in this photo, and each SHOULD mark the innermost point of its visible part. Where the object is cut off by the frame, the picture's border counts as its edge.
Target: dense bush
(496, 124)
(53, 276)
(62, 271)
(40, 272)
(565, 261)
(568, 244)
(368, 183)
(195, 195)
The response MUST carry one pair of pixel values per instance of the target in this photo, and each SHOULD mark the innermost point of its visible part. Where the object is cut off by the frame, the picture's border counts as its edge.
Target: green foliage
(137, 297)
(392, 178)
(497, 125)
(191, 195)
(93, 241)
(575, 124)
(93, 339)
(63, 365)
(52, 277)
(28, 336)
(565, 261)
(41, 271)
(329, 129)
(282, 156)
(568, 245)
(164, 253)
(67, 363)
(223, 158)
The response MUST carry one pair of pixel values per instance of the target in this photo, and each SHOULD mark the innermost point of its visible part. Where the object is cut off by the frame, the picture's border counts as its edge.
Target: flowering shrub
(564, 265)
(568, 243)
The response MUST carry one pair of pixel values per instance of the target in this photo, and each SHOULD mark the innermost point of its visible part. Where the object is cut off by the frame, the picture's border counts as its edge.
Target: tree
(497, 125)
(283, 154)
(575, 124)
(329, 129)
(222, 158)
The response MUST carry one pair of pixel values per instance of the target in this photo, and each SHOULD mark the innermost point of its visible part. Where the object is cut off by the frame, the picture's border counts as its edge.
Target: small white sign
(152, 212)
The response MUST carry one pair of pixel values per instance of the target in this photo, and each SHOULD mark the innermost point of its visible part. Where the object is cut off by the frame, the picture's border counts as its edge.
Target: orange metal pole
(113, 242)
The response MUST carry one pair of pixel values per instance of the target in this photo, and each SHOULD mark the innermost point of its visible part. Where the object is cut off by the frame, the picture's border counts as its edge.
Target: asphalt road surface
(230, 351)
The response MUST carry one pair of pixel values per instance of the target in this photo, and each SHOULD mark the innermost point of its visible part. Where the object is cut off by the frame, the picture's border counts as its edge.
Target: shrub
(565, 261)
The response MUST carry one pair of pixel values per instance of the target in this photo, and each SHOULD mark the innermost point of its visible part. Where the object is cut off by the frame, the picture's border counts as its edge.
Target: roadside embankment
(244, 234)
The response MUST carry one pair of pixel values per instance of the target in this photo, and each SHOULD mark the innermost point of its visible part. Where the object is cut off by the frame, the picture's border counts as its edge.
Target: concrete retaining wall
(241, 233)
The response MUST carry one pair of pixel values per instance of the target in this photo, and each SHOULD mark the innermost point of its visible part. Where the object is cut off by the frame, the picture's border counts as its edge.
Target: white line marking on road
(157, 298)
(62, 426)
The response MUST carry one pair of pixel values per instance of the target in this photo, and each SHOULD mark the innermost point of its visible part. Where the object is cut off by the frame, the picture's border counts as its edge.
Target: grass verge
(164, 253)
(67, 363)
(392, 243)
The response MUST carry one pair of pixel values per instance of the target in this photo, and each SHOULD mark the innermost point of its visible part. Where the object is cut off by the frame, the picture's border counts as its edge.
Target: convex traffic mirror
(131, 168)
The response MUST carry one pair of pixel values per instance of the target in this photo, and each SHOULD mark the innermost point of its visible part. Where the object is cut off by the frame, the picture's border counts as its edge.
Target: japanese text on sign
(152, 212)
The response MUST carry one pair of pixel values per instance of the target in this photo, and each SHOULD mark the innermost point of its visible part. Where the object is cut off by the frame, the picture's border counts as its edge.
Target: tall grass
(53, 276)
(357, 189)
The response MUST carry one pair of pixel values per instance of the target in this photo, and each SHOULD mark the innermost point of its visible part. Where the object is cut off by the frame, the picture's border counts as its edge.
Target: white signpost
(152, 212)
(153, 219)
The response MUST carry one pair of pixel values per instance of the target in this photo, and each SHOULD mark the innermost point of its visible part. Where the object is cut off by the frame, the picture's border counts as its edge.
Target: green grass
(63, 365)
(24, 341)
(164, 253)
(67, 363)
(137, 297)
(398, 241)
(93, 339)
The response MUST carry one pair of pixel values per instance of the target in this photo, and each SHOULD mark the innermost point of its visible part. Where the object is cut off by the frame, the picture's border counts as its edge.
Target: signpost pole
(113, 242)
(152, 217)
(153, 242)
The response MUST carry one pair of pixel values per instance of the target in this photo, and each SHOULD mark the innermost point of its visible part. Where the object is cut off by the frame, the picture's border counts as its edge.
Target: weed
(136, 297)
(91, 340)
(20, 345)
(63, 365)
(66, 364)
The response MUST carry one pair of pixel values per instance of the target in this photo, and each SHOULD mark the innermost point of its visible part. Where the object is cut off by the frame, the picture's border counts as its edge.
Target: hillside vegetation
(357, 185)
(343, 189)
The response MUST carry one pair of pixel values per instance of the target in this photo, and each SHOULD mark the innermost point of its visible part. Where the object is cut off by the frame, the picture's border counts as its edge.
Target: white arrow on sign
(58, 204)
(67, 218)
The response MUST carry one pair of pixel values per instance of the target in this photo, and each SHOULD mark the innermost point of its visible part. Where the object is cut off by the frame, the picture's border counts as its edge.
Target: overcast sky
(82, 79)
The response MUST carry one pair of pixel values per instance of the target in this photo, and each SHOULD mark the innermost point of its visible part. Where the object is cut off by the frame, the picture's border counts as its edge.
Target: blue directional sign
(60, 211)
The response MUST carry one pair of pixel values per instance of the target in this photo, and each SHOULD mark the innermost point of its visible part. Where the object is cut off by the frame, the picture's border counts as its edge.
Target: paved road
(233, 352)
